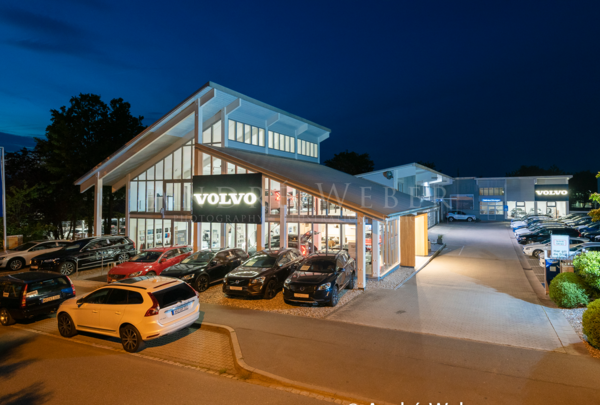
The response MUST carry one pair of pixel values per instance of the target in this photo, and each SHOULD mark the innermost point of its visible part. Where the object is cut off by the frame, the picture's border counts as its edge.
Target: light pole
(3, 203)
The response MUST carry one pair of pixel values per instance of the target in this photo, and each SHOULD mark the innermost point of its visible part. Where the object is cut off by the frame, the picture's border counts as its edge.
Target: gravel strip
(391, 281)
(214, 295)
(574, 317)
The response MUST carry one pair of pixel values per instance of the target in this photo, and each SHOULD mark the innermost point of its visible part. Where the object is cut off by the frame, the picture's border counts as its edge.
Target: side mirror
(213, 262)
(80, 302)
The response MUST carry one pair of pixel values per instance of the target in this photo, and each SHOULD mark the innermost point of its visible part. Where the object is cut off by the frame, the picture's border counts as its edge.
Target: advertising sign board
(230, 198)
(559, 245)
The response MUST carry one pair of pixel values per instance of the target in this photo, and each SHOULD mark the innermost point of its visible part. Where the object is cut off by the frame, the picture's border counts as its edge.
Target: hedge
(587, 265)
(591, 323)
(568, 290)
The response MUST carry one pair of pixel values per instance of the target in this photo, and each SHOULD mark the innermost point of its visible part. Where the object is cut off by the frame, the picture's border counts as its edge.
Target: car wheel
(67, 268)
(536, 253)
(6, 318)
(333, 299)
(66, 327)
(270, 290)
(470, 219)
(122, 258)
(16, 264)
(450, 219)
(151, 274)
(350, 285)
(130, 339)
(202, 283)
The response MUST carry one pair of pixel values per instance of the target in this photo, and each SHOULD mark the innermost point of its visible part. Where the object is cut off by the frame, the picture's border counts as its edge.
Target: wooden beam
(407, 241)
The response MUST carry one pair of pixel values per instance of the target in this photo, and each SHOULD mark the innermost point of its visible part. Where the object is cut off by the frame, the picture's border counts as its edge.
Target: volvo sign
(229, 198)
(551, 192)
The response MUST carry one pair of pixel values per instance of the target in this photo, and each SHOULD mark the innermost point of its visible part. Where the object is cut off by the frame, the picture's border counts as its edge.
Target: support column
(375, 262)
(407, 241)
(360, 252)
(98, 206)
(198, 122)
(127, 185)
(196, 226)
(261, 228)
(283, 230)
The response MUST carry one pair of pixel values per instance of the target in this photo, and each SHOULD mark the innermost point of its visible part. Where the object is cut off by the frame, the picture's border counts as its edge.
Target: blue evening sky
(482, 87)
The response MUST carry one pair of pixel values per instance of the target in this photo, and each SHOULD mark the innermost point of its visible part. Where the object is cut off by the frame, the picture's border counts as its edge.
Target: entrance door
(492, 212)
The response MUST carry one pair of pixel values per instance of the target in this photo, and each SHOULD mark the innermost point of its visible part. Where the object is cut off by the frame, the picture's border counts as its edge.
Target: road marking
(461, 249)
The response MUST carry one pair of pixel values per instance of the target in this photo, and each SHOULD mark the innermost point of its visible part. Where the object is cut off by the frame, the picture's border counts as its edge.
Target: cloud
(13, 143)
(40, 24)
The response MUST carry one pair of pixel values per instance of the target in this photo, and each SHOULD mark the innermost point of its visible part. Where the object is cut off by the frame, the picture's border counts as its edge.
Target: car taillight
(72, 285)
(24, 299)
(153, 310)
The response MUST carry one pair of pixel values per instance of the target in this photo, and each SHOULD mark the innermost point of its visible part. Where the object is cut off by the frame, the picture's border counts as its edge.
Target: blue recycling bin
(552, 270)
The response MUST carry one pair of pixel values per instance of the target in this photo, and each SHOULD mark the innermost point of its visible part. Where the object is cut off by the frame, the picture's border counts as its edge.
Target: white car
(21, 256)
(537, 249)
(134, 310)
(459, 215)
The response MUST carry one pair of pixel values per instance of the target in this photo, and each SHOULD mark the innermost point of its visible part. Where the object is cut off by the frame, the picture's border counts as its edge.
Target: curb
(274, 381)
(433, 256)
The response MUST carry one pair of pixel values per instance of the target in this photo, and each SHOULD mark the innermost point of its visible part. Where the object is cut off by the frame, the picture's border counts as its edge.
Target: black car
(86, 254)
(545, 234)
(320, 278)
(262, 274)
(206, 267)
(306, 242)
(24, 295)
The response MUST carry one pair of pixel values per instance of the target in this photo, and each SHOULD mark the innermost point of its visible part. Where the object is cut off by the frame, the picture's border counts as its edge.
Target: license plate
(180, 309)
(53, 298)
(301, 295)
(235, 288)
(34, 267)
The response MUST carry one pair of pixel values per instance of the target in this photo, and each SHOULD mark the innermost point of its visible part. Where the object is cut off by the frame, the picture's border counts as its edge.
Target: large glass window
(245, 133)
(212, 134)
(491, 191)
(284, 143)
(461, 201)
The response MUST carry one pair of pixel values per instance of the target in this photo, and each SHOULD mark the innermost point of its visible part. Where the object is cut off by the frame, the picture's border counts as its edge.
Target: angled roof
(178, 122)
(360, 195)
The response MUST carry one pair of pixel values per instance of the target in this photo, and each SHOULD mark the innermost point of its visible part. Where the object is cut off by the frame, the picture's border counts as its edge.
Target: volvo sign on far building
(230, 198)
(551, 192)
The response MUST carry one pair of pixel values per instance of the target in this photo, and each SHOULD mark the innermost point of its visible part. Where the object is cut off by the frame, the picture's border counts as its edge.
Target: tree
(351, 163)
(581, 186)
(431, 165)
(595, 214)
(524, 171)
(80, 137)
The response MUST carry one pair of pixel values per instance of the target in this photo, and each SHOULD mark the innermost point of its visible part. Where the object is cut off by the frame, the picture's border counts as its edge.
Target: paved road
(35, 369)
(475, 290)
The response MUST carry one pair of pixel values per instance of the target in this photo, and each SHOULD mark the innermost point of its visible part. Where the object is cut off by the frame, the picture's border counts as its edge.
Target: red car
(150, 262)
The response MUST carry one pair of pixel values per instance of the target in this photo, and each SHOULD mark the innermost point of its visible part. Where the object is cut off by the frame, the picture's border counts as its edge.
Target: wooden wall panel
(407, 241)
(421, 235)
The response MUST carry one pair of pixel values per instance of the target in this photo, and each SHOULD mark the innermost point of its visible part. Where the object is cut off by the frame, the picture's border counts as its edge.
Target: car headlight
(137, 273)
(325, 286)
(257, 280)
(287, 281)
(48, 261)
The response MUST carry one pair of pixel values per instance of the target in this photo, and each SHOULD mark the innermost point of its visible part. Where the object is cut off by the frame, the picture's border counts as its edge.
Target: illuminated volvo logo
(226, 198)
(551, 192)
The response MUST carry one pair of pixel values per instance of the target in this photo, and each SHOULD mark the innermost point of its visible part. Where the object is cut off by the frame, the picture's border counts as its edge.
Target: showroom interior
(219, 132)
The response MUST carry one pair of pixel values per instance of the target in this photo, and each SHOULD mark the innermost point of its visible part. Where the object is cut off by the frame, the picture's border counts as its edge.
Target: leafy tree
(595, 214)
(581, 186)
(431, 165)
(524, 171)
(351, 162)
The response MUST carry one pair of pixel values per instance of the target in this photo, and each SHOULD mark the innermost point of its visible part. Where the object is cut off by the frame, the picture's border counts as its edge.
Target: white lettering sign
(551, 192)
(559, 246)
(226, 198)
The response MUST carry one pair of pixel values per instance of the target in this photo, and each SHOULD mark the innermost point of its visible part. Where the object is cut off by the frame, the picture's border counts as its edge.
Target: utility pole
(3, 186)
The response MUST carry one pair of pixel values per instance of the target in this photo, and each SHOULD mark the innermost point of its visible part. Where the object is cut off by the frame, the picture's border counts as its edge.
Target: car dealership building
(224, 170)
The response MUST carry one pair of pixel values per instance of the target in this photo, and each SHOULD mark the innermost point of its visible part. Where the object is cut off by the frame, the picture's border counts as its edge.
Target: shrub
(587, 265)
(591, 323)
(568, 290)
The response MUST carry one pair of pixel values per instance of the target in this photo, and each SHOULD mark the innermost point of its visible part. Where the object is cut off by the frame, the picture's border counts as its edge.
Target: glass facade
(244, 133)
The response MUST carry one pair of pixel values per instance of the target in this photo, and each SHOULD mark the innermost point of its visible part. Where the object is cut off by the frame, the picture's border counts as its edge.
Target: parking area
(476, 289)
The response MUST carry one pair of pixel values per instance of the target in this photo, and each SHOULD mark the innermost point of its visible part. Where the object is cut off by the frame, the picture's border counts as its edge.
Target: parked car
(24, 295)
(19, 257)
(545, 234)
(537, 227)
(134, 310)
(85, 254)
(206, 267)
(460, 215)
(262, 274)
(527, 220)
(150, 262)
(320, 278)
(537, 249)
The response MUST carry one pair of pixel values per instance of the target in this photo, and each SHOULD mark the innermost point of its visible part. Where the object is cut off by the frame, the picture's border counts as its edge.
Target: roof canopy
(360, 195)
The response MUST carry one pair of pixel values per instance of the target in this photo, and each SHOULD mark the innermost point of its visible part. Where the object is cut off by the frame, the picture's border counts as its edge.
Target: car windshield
(260, 261)
(319, 265)
(200, 257)
(146, 257)
(25, 246)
